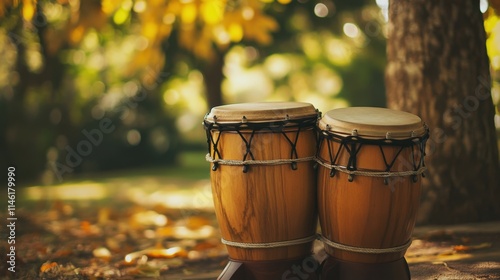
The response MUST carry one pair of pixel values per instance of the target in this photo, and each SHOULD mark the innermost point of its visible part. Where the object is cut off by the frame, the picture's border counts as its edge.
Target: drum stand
(334, 269)
(302, 268)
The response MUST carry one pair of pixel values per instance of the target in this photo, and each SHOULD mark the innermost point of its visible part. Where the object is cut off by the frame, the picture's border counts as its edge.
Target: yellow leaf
(47, 266)
(493, 45)
(492, 28)
(28, 9)
(259, 28)
(491, 22)
(121, 16)
(174, 7)
(76, 35)
(466, 248)
(149, 29)
(212, 11)
(110, 6)
(268, 23)
(189, 13)
(235, 32)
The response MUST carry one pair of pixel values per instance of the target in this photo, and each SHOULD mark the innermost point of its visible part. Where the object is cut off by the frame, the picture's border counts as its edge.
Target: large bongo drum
(368, 190)
(264, 187)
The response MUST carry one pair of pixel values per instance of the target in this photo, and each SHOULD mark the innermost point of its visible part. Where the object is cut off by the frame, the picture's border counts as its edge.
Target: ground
(160, 224)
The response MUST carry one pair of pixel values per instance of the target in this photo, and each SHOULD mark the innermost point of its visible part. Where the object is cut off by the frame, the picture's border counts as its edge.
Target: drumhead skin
(371, 122)
(260, 112)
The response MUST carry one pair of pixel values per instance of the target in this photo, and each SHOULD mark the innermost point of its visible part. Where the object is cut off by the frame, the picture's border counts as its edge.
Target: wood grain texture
(366, 212)
(268, 203)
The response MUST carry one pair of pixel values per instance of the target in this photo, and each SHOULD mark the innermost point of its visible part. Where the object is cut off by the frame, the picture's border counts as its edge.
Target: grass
(191, 166)
(110, 187)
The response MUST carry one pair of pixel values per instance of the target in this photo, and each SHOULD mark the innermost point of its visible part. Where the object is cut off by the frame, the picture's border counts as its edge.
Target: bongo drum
(368, 190)
(264, 186)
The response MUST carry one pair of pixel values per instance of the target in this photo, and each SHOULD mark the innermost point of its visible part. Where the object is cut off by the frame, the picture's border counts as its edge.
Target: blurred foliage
(492, 28)
(147, 67)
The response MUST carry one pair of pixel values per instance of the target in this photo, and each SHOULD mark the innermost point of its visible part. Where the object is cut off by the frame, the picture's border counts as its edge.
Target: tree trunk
(438, 68)
(213, 76)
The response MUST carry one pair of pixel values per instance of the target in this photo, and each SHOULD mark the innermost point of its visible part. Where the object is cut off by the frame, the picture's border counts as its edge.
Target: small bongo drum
(368, 190)
(264, 186)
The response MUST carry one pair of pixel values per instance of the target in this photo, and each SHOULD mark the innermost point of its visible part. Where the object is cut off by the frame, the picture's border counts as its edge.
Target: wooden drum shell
(269, 203)
(367, 213)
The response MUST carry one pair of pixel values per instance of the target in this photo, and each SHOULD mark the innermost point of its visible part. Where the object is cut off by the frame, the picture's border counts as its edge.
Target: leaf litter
(71, 241)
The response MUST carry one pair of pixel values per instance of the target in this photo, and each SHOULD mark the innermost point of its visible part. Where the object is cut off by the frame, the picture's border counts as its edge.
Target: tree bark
(213, 76)
(438, 69)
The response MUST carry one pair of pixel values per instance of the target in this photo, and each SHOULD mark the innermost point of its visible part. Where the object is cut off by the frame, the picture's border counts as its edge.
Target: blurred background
(101, 104)
(152, 69)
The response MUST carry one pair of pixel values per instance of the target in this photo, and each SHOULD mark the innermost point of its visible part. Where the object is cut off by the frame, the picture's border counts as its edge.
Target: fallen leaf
(467, 248)
(157, 253)
(102, 252)
(47, 266)
(196, 222)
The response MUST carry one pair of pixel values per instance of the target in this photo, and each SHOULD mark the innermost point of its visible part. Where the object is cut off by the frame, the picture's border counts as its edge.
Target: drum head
(371, 122)
(260, 112)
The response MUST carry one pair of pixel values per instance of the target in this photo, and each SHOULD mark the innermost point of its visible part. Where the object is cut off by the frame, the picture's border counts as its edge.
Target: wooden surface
(366, 213)
(269, 203)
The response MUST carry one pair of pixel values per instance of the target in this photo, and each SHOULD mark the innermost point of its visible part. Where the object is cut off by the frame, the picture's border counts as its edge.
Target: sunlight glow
(133, 137)
(34, 59)
(80, 191)
(277, 65)
(171, 97)
(174, 198)
(121, 16)
(351, 30)
(384, 8)
(248, 13)
(52, 11)
(189, 13)
(187, 233)
(169, 18)
(326, 82)
(321, 10)
(221, 35)
(244, 85)
(338, 52)
(235, 32)
(187, 122)
(150, 218)
(483, 5)
(212, 11)
(311, 46)
(128, 258)
(140, 6)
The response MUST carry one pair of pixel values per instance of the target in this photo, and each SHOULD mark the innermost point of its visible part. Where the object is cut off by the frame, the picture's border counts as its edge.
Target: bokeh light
(351, 30)
(321, 10)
